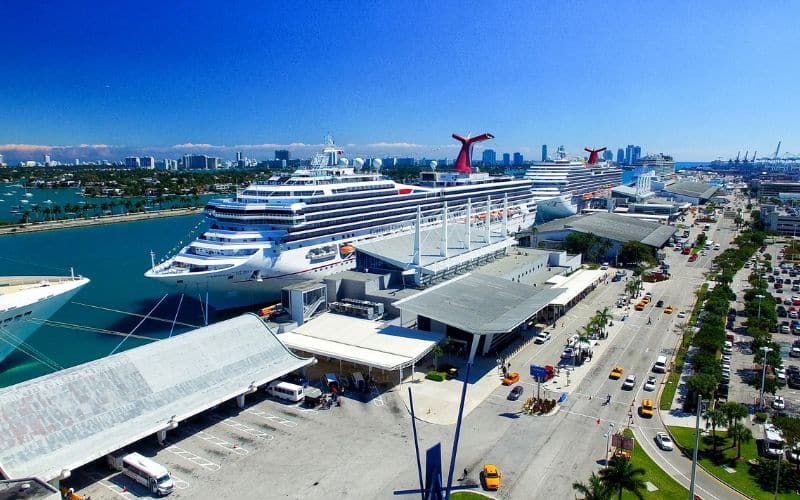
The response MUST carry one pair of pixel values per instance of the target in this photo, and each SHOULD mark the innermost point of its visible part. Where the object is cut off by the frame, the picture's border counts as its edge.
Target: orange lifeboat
(266, 311)
(482, 216)
(347, 249)
(587, 196)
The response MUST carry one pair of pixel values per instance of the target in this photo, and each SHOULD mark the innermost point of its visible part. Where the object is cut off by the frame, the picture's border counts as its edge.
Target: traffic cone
(234, 446)
(124, 489)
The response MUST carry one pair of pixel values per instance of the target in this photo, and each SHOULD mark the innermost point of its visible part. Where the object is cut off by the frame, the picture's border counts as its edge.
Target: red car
(686, 251)
(693, 257)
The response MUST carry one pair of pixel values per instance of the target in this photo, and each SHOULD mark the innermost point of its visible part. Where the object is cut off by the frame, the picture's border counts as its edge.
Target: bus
(285, 390)
(144, 471)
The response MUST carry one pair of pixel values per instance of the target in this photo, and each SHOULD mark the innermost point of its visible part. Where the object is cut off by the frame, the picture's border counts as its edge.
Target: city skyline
(694, 81)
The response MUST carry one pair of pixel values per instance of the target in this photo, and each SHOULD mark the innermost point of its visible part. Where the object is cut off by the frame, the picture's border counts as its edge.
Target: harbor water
(114, 257)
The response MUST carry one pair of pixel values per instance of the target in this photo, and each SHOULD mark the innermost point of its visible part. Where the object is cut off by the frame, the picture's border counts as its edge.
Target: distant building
(517, 158)
(405, 162)
(147, 162)
(620, 156)
(629, 154)
(637, 153)
(195, 162)
(238, 156)
(489, 157)
(46, 160)
(506, 159)
(608, 155)
(132, 162)
(544, 152)
(77, 161)
(282, 154)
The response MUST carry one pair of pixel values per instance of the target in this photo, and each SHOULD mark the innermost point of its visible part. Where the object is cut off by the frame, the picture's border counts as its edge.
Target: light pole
(608, 438)
(759, 297)
(763, 376)
(696, 444)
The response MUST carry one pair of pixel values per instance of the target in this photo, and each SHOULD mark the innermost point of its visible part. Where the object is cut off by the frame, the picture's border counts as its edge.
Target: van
(285, 390)
(661, 365)
(358, 381)
(144, 471)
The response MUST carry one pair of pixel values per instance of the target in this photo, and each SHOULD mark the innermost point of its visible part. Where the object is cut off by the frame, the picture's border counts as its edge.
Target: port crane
(777, 151)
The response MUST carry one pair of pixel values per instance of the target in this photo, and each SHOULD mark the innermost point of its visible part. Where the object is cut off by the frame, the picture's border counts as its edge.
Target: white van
(661, 365)
(144, 471)
(358, 381)
(285, 390)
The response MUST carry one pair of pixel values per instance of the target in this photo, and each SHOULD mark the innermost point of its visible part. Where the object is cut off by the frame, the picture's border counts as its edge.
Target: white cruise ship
(307, 225)
(27, 300)
(562, 186)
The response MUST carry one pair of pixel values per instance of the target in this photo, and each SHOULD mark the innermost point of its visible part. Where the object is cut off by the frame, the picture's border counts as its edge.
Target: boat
(564, 185)
(308, 224)
(662, 165)
(27, 301)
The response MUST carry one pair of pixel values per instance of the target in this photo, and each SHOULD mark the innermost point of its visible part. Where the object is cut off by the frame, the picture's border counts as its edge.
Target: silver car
(630, 383)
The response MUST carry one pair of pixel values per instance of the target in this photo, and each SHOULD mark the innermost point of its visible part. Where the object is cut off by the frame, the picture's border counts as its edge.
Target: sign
(539, 373)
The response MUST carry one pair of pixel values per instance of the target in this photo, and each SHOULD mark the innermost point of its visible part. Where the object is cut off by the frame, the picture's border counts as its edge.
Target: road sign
(539, 373)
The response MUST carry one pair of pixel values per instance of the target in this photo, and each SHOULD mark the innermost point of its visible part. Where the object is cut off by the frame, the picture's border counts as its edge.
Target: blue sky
(699, 80)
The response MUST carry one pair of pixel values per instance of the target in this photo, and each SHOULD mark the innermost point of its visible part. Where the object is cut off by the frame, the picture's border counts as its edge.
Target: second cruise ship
(306, 225)
(562, 186)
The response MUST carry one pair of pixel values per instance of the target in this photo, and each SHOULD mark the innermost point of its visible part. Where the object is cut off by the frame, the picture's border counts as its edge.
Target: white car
(778, 403)
(663, 441)
(630, 383)
(682, 314)
(650, 385)
(604, 266)
(542, 337)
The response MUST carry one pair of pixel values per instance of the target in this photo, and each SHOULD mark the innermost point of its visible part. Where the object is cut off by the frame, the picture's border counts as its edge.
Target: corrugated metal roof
(614, 227)
(478, 303)
(694, 189)
(66, 419)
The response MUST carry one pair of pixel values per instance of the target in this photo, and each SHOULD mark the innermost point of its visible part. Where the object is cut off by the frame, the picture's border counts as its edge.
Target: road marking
(252, 431)
(181, 484)
(194, 458)
(378, 399)
(222, 443)
(272, 418)
(113, 488)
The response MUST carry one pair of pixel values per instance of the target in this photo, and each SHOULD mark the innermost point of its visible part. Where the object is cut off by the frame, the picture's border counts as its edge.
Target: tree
(635, 252)
(734, 412)
(790, 427)
(595, 490)
(620, 475)
(437, 353)
(702, 383)
(581, 243)
(603, 317)
(740, 434)
(716, 417)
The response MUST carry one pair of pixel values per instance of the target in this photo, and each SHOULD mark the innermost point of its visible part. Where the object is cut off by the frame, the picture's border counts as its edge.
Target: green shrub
(436, 376)
(761, 417)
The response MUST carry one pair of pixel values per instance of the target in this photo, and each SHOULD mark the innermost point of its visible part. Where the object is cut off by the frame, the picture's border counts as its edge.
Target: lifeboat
(346, 249)
(266, 311)
(587, 196)
(482, 216)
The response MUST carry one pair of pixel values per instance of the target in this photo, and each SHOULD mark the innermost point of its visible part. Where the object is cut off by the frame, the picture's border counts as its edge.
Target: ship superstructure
(27, 301)
(564, 185)
(306, 225)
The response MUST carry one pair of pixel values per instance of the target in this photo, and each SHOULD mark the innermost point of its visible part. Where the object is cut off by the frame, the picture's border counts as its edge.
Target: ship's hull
(258, 280)
(555, 208)
(17, 331)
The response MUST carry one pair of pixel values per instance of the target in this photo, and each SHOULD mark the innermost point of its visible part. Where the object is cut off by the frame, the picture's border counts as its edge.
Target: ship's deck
(14, 284)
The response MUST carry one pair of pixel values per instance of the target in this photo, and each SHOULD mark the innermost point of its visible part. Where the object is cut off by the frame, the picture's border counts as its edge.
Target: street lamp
(607, 435)
(763, 376)
(759, 297)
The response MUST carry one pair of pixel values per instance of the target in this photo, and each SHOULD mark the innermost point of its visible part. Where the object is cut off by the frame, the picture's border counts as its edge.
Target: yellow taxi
(491, 477)
(639, 306)
(647, 408)
(616, 372)
(668, 309)
(646, 299)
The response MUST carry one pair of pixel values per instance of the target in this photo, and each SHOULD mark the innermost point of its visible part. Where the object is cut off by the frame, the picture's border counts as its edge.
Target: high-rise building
(637, 153)
(147, 162)
(620, 156)
(629, 154)
(506, 159)
(46, 160)
(133, 162)
(608, 155)
(238, 156)
(544, 152)
(195, 162)
(517, 158)
(1, 161)
(489, 157)
(282, 154)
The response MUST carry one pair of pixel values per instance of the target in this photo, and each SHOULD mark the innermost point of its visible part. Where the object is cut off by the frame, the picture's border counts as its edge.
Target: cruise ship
(306, 225)
(663, 165)
(562, 186)
(25, 301)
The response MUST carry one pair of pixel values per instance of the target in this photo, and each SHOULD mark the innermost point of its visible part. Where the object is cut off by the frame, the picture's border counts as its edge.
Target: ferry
(308, 224)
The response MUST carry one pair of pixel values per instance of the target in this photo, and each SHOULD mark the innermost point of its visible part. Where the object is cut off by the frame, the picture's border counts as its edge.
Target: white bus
(144, 471)
(285, 390)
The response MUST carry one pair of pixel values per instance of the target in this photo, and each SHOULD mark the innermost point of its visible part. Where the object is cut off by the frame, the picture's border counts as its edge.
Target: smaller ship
(27, 301)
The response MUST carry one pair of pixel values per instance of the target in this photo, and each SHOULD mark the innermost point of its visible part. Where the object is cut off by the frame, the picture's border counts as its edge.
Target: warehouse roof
(66, 419)
(479, 303)
(699, 190)
(574, 284)
(615, 227)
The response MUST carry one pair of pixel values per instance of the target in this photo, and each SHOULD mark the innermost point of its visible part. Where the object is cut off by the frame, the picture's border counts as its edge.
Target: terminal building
(780, 219)
(696, 193)
(615, 228)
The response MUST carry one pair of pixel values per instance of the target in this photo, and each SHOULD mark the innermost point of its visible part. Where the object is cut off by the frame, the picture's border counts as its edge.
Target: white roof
(574, 284)
(371, 343)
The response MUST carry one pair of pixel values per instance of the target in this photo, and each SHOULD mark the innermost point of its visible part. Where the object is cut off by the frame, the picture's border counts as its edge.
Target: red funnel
(463, 162)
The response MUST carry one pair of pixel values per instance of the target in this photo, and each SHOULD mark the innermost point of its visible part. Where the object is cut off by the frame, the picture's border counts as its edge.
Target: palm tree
(740, 434)
(603, 317)
(437, 353)
(595, 490)
(716, 417)
(621, 475)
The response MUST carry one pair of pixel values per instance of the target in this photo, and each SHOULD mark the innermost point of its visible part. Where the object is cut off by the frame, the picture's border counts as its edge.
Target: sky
(699, 80)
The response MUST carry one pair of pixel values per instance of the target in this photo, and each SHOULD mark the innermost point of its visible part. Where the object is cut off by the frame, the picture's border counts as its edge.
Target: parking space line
(378, 399)
(104, 482)
(252, 431)
(222, 443)
(194, 458)
(272, 418)
(180, 484)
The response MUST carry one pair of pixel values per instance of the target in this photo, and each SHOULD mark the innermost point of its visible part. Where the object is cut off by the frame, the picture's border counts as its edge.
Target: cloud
(190, 145)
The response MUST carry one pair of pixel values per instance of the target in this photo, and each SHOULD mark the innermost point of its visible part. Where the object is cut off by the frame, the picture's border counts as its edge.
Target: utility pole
(763, 376)
(696, 444)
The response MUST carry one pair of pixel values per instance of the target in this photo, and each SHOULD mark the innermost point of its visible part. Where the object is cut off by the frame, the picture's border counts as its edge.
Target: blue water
(114, 257)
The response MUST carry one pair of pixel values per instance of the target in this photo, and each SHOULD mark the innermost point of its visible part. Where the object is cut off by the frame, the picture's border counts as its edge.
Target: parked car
(778, 403)
(663, 441)
(682, 314)
(491, 477)
(542, 337)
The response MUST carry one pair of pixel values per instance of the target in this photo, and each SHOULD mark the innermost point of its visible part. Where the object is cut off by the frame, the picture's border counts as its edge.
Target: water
(114, 257)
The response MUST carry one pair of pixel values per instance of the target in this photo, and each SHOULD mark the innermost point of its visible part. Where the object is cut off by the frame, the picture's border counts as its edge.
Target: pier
(32, 227)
